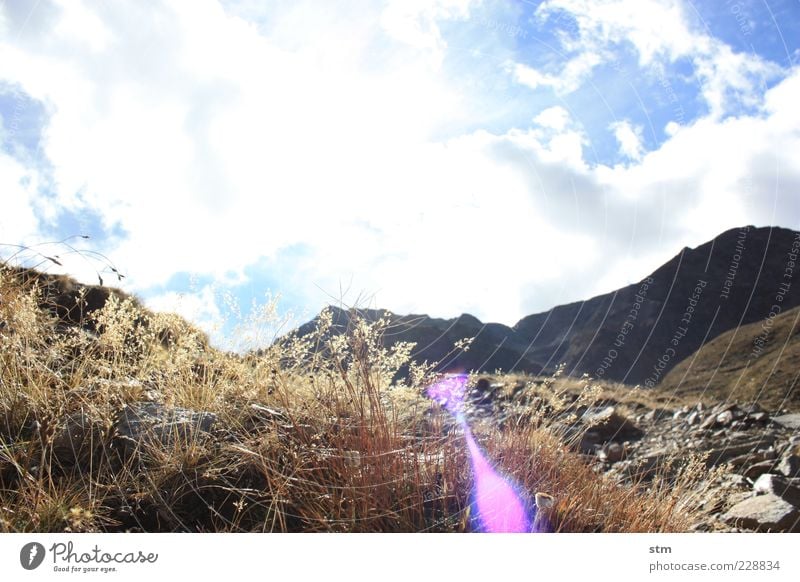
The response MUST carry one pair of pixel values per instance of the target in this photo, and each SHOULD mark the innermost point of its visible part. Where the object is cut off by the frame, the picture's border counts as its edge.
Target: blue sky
(437, 156)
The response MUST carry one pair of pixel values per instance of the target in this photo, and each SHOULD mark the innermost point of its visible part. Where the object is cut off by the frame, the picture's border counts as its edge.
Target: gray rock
(780, 486)
(752, 458)
(611, 453)
(693, 418)
(764, 513)
(790, 466)
(754, 471)
(725, 418)
(151, 423)
(609, 424)
(709, 422)
(75, 437)
(790, 421)
(657, 414)
(724, 454)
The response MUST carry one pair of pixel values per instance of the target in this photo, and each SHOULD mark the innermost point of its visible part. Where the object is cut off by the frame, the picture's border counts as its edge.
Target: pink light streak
(500, 509)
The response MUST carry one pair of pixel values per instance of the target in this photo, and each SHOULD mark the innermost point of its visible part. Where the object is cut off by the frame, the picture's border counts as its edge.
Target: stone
(693, 418)
(768, 513)
(752, 458)
(790, 466)
(610, 424)
(780, 486)
(725, 418)
(151, 423)
(790, 421)
(611, 452)
(75, 437)
(657, 414)
(722, 455)
(754, 471)
(709, 422)
(650, 464)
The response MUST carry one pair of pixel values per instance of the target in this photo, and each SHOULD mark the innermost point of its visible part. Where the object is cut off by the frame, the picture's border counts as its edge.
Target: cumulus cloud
(661, 32)
(341, 152)
(629, 138)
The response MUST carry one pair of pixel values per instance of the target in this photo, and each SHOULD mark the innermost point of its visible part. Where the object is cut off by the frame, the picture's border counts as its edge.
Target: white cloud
(200, 306)
(661, 32)
(555, 117)
(416, 23)
(629, 138)
(211, 157)
(567, 80)
(18, 222)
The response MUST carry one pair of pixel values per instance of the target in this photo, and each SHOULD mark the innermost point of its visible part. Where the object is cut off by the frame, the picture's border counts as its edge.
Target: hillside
(635, 334)
(759, 362)
(117, 419)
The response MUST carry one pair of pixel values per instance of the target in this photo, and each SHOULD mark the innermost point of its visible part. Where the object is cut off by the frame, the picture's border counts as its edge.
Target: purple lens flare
(500, 508)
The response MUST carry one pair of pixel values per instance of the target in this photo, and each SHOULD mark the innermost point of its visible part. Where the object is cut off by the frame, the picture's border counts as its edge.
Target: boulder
(784, 488)
(154, 424)
(790, 466)
(75, 437)
(764, 513)
(755, 471)
(725, 418)
(657, 414)
(790, 421)
(611, 452)
(610, 424)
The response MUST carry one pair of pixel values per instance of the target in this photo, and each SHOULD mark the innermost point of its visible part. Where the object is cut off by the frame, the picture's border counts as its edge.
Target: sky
(424, 156)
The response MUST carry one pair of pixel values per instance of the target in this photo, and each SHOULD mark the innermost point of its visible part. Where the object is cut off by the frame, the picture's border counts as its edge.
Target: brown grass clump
(133, 423)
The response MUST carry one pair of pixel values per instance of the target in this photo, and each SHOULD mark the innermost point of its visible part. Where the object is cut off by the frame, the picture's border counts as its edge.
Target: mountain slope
(759, 362)
(636, 334)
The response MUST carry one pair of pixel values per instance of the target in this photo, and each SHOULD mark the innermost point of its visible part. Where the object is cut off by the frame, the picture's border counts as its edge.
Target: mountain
(758, 362)
(635, 334)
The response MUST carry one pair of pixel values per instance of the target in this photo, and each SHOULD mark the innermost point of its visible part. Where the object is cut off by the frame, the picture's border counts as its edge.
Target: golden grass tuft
(309, 434)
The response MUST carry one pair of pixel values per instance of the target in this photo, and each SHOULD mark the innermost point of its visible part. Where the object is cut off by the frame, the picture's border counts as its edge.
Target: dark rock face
(634, 335)
(638, 333)
(495, 347)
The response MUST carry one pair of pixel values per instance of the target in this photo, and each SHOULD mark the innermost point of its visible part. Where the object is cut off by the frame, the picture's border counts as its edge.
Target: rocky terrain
(749, 458)
(330, 428)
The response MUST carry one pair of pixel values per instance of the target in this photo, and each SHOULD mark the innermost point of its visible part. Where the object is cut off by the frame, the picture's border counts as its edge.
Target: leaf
(56, 261)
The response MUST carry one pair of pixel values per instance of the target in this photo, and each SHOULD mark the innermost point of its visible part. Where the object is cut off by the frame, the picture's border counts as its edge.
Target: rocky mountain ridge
(634, 335)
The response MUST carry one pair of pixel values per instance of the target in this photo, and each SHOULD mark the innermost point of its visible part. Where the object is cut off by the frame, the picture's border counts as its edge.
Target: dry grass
(311, 434)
